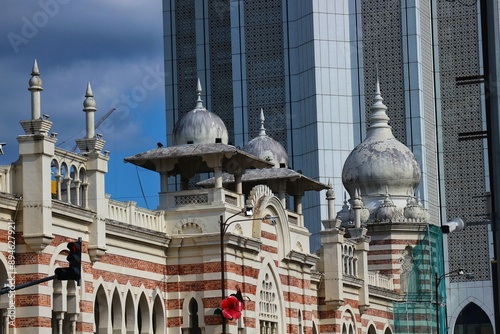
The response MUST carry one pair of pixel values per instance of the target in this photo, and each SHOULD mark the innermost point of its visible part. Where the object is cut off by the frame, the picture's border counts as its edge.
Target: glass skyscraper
(311, 65)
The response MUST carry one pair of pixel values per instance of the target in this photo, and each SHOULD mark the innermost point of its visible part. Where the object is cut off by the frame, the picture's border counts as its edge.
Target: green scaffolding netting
(423, 265)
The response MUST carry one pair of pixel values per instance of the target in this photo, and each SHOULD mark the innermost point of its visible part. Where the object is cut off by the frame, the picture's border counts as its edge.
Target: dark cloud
(115, 44)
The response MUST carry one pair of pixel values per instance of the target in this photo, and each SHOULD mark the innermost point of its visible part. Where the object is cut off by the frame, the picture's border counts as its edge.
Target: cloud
(114, 44)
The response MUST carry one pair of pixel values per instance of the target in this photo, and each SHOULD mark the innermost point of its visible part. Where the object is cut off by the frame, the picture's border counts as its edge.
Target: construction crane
(99, 122)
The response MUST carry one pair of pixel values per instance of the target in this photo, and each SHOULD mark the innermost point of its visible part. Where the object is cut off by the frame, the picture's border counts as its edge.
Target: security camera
(455, 224)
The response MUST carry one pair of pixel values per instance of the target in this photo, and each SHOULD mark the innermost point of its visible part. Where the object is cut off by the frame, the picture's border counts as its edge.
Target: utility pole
(491, 58)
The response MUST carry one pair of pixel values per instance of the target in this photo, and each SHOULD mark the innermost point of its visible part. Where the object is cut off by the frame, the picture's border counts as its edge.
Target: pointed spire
(35, 70)
(199, 101)
(262, 131)
(378, 111)
(89, 107)
(35, 87)
(89, 103)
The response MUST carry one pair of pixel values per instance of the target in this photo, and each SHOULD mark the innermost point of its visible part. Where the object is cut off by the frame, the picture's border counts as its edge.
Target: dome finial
(378, 110)
(262, 131)
(199, 101)
(35, 70)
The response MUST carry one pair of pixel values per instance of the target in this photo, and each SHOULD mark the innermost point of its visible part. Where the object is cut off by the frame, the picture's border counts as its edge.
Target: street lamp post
(437, 281)
(224, 225)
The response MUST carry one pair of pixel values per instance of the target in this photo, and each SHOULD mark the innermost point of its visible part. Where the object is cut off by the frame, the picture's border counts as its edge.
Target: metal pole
(222, 268)
(6, 289)
(437, 302)
(491, 57)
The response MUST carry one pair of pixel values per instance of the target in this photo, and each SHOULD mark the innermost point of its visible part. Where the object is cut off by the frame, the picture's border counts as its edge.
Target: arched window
(473, 320)
(315, 329)
(406, 268)
(101, 311)
(194, 323)
(129, 314)
(116, 312)
(65, 182)
(301, 328)
(143, 318)
(55, 180)
(158, 316)
(83, 188)
(372, 330)
(74, 186)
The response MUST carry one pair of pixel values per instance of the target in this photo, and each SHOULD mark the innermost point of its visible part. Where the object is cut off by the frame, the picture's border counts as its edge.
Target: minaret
(97, 166)
(91, 142)
(39, 123)
(36, 150)
(35, 89)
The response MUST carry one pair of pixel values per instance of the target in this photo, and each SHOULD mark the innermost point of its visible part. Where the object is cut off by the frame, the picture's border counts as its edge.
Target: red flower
(231, 308)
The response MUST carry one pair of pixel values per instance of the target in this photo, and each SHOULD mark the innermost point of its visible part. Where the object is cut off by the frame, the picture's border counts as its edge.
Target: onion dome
(267, 148)
(200, 126)
(380, 163)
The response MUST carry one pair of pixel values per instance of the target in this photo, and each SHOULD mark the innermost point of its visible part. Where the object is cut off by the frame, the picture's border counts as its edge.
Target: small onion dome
(267, 148)
(344, 215)
(89, 102)
(387, 211)
(330, 193)
(35, 81)
(200, 126)
(414, 209)
(380, 162)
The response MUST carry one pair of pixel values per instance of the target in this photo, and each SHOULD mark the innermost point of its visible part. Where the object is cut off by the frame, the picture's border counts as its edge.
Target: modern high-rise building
(312, 65)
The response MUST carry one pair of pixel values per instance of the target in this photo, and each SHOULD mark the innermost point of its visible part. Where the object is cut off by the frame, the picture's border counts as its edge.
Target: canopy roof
(295, 182)
(188, 160)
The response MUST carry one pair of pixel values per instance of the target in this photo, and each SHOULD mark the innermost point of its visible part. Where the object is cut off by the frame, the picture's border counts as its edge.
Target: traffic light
(73, 272)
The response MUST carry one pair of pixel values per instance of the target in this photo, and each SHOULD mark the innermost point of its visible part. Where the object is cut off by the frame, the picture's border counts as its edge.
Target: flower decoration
(232, 306)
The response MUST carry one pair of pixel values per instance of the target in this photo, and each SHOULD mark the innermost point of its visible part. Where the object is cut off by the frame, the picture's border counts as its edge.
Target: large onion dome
(200, 126)
(267, 148)
(380, 164)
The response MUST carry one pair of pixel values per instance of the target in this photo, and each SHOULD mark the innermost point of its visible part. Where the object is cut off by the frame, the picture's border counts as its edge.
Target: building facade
(167, 270)
(311, 66)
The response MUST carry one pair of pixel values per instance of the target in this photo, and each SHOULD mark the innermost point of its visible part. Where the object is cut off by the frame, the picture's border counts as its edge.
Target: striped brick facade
(159, 271)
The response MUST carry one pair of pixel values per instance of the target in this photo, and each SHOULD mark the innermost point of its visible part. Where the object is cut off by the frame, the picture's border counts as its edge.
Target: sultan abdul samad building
(159, 271)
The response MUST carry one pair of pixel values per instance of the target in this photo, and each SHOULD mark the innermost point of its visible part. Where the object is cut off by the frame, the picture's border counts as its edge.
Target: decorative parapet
(175, 200)
(380, 281)
(129, 213)
(191, 199)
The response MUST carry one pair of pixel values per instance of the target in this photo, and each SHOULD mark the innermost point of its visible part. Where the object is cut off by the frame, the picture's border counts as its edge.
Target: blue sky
(116, 45)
